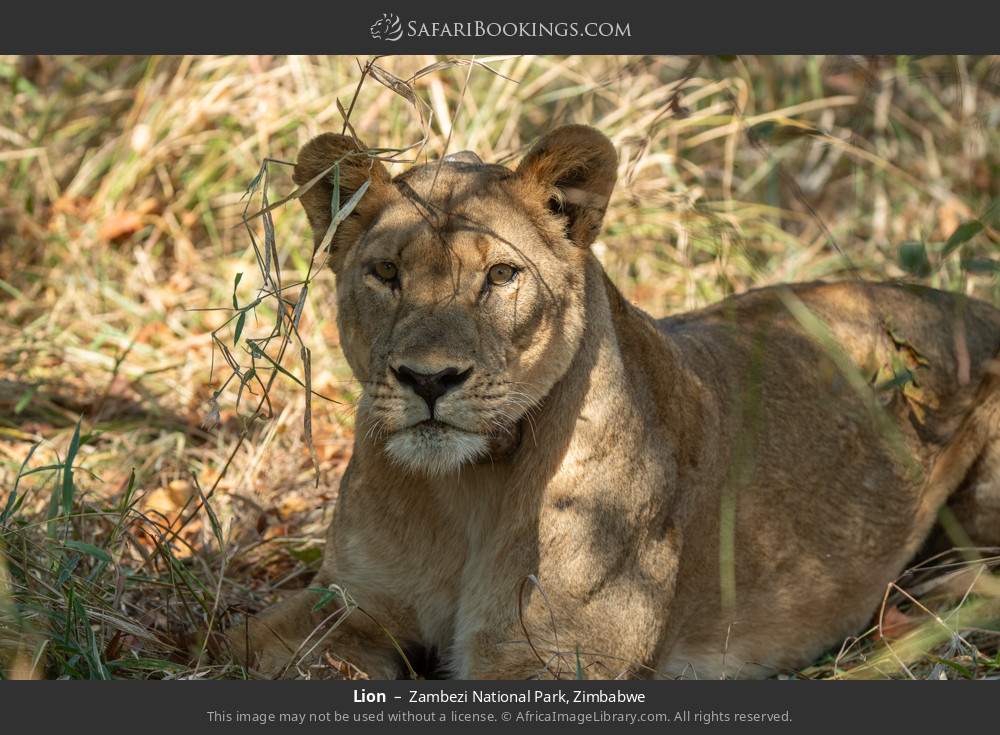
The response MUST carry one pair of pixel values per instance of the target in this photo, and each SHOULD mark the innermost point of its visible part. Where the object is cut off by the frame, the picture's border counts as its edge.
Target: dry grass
(121, 239)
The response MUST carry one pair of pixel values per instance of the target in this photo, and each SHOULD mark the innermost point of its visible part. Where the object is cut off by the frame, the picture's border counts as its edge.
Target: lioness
(545, 476)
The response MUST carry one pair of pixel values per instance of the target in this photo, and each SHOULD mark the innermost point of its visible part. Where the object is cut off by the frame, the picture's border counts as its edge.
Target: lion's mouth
(438, 447)
(502, 442)
(435, 448)
(436, 424)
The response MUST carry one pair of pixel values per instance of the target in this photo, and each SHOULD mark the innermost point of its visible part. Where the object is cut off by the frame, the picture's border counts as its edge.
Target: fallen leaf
(168, 499)
(895, 624)
(119, 226)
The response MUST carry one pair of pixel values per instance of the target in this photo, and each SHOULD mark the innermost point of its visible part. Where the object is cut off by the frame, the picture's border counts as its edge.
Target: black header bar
(507, 27)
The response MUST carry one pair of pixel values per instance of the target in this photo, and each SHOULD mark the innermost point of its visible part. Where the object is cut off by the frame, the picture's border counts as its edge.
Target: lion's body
(828, 476)
(722, 492)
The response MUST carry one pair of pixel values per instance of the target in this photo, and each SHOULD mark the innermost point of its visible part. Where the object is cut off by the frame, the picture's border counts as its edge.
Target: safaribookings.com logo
(387, 28)
(390, 28)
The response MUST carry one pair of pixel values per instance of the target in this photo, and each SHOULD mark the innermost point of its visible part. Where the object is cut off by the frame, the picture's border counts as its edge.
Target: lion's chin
(435, 449)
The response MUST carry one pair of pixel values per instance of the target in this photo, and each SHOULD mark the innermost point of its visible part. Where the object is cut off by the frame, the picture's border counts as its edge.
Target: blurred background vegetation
(129, 526)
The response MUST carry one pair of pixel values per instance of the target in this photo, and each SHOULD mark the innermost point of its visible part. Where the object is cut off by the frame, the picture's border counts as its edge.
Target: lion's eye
(385, 270)
(501, 273)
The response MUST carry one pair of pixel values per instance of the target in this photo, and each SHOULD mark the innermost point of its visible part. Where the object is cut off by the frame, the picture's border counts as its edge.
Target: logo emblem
(387, 28)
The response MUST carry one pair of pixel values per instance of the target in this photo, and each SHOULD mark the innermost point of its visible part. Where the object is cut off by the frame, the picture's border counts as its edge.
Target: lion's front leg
(586, 654)
(546, 633)
(557, 601)
(284, 639)
(377, 569)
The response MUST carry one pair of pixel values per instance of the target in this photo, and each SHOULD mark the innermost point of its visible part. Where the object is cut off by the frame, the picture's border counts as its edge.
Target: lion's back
(921, 352)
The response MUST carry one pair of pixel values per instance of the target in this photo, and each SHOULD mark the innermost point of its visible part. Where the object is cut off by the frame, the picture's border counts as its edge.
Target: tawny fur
(726, 492)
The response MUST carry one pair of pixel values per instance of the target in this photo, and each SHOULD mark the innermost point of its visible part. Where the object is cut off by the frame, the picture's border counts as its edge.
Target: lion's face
(460, 291)
(457, 314)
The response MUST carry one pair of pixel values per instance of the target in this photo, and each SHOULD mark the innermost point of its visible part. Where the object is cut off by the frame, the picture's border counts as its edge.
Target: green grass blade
(68, 488)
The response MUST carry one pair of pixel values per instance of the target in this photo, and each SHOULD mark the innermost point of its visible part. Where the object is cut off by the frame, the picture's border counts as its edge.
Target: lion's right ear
(573, 168)
(356, 166)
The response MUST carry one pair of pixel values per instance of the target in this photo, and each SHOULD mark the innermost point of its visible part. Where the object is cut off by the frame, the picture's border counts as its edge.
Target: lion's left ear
(356, 169)
(572, 170)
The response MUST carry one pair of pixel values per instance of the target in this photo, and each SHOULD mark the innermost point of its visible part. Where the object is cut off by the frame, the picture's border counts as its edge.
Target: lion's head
(459, 286)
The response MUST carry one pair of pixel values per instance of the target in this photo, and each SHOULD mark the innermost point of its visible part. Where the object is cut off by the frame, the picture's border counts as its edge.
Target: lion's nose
(430, 387)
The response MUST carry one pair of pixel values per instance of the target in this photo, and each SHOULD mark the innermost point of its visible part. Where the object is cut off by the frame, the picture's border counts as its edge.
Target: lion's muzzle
(431, 386)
